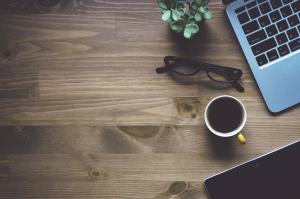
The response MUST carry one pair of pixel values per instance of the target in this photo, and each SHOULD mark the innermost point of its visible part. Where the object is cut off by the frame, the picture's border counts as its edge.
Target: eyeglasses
(216, 73)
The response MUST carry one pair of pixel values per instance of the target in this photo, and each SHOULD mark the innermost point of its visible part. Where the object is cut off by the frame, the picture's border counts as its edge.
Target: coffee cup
(225, 116)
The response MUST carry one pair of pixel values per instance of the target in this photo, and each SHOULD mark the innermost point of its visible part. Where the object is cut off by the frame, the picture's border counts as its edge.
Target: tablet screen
(274, 175)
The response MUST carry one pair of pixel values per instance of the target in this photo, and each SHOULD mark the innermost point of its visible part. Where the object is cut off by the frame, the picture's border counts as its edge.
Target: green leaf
(198, 16)
(179, 4)
(181, 11)
(170, 20)
(187, 33)
(166, 15)
(207, 14)
(162, 4)
(183, 17)
(192, 12)
(201, 9)
(191, 20)
(205, 7)
(163, 11)
(193, 28)
(179, 30)
(193, 5)
(205, 2)
(175, 25)
(198, 2)
(175, 15)
(187, 15)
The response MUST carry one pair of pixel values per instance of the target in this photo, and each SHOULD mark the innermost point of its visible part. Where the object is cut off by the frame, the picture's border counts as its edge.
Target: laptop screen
(275, 175)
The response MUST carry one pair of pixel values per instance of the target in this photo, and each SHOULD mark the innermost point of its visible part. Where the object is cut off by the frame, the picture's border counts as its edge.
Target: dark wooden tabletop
(83, 114)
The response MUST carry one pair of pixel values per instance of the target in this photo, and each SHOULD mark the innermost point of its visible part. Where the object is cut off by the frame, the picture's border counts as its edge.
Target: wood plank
(43, 39)
(150, 27)
(128, 112)
(99, 189)
(120, 82)
(129, 167)
(76, 139)
(19, 84)
(75, 6)
(105, 111)
(4, 168)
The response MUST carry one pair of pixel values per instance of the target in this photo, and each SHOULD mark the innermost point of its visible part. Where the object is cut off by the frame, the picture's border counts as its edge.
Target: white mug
(237, 130)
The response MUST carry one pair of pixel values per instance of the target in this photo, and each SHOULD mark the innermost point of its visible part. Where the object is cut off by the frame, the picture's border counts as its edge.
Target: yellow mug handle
(241, 138)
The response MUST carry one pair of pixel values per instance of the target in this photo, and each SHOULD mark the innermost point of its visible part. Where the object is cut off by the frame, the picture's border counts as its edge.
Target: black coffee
(225, 115)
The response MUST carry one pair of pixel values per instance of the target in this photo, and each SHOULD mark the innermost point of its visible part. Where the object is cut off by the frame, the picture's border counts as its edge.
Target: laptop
(269, 34)
(275, 175)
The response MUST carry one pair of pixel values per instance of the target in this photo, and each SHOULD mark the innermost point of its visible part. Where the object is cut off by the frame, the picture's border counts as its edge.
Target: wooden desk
(83, 113)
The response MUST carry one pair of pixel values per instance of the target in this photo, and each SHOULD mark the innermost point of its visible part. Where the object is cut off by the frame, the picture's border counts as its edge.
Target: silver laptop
(269, 34)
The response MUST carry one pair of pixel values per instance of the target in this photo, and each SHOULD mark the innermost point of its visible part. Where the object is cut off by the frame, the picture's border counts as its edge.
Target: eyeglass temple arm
(162, 69)
(237, 86)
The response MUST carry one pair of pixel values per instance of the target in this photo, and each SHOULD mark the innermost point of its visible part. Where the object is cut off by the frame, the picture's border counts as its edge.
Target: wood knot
(190, 107)
(47, 3)
(178, 187)
(95, 173)
(52, 6)
(187, 107)
(6, 54)
(141, 131)
(7, 51)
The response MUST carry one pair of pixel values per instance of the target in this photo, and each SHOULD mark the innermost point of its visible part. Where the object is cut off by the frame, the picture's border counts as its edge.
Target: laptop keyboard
(271, 27)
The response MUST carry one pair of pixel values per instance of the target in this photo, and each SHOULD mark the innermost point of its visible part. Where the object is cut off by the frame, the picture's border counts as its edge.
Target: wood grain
(129, 167)
(141, 140)
(83, 113)
(75, 6)
(131, 82)
(98, 189)
(19, 84)
(130, 112)
(4, 168)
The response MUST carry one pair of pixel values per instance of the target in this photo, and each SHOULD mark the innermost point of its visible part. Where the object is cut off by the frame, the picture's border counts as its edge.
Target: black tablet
(271, 176)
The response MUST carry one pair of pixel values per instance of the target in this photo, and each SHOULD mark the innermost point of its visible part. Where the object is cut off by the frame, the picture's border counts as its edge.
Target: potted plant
(184, 16)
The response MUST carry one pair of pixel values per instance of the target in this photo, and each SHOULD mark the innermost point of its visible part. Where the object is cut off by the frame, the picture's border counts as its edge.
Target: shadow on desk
(222, 148)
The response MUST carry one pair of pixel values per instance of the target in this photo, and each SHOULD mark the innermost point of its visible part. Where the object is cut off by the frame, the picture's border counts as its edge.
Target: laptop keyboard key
(264, 46)
(286, 11)
(283, 50)
(275, 3)
(298, 28)
(250, 27)
(243, 18)
(295, 45)
(240, 9)
(296, 6)
(260, 1)
(261, 60)
(281, 38)
(254, 12)
(293, 20)
(272, 55)
(250, 5)
(287, 1)
(292, 34)
(265, 8)
(264, 21)
(256, 37)
(271, 30)
(282, 25)
(275, 16)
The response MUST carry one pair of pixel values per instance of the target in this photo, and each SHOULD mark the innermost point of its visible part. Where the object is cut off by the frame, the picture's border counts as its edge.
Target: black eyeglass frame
(233, 74)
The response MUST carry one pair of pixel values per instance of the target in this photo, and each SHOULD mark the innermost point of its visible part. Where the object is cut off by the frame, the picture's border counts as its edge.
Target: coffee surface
(225, 115)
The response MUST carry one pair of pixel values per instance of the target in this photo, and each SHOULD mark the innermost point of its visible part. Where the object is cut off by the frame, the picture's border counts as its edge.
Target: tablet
(271, 176)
